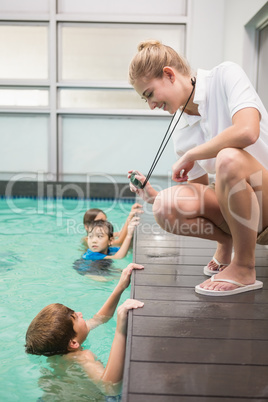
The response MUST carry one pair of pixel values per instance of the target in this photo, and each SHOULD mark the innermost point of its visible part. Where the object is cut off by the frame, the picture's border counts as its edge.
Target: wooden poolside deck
(187, 347)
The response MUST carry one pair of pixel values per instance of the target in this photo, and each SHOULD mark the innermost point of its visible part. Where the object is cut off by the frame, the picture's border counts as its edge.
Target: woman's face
(162, 93)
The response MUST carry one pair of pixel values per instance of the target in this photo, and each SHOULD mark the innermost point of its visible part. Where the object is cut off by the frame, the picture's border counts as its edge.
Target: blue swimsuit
(93, 256)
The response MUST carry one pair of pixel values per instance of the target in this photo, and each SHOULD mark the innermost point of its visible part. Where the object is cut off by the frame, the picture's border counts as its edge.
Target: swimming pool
(39, 242)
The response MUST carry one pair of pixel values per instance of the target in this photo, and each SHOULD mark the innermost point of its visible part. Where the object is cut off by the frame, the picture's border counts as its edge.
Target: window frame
(52, 19)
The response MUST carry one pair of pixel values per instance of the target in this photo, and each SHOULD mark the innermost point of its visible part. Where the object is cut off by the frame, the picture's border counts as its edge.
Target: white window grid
(53, 85)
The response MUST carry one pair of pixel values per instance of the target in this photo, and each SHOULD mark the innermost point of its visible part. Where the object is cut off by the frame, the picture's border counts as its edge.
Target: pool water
(39, 242)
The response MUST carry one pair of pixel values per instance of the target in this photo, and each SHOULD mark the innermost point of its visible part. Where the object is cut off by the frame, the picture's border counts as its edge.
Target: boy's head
(100, 236)
(56, 330)
(93, 214)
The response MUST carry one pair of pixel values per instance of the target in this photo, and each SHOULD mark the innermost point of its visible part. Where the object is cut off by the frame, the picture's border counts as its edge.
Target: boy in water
(100, 240)
(58, 330)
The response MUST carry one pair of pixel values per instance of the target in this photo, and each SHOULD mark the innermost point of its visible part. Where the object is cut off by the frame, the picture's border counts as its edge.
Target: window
(98, 56)
(23, 97)
(24, 52)
(102, 52)
(64, 88)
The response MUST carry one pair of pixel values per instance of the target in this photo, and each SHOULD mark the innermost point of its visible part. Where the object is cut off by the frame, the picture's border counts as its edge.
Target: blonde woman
(224, 131)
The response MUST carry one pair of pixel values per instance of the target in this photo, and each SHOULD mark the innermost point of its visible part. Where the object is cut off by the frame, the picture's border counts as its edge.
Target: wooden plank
(171, 257)
(152, 241)
(195, 327)
(171, 269)
(203, 351)
(186, 241)
(183, 269)
(162, 248)
(184, 281)
(146, 292)
(222, 310)
(159, 250)
(199, 379)
(170, 398)
(169, 280)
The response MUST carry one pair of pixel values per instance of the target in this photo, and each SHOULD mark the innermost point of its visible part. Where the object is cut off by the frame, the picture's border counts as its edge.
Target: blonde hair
(152, 57)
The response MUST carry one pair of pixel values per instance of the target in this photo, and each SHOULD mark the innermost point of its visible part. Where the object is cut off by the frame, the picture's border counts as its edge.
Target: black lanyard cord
(160, 151)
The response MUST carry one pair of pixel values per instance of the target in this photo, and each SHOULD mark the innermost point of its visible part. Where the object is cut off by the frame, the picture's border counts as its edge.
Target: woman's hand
(148, 193)
(181, 168)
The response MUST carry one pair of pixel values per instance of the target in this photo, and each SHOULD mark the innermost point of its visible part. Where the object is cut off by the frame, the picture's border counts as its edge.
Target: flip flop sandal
(240, 288)
(209, 272)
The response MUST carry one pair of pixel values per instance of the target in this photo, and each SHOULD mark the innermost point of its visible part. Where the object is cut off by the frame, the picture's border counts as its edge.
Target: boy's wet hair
(51, 331)
(105, 225)
(91, 215)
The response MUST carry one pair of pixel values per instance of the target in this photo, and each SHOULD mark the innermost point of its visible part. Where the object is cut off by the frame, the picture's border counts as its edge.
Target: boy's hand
(136, 209)
(122, 313)
(132, 224)
(136, 206)
(124, 280)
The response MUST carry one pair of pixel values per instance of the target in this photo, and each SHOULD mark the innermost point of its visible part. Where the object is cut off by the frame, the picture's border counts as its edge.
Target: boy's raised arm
(108, 379)
(136, 209)
(108, 309)
(114, 369)
(121, 253)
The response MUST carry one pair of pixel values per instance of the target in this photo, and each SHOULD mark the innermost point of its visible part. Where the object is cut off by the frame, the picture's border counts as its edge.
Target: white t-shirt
(219, 93)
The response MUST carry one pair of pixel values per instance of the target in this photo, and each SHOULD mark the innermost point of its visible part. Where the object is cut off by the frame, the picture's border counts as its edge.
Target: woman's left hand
(181, 168)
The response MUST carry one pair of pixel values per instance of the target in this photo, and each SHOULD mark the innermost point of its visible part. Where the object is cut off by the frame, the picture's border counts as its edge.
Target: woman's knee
(166, 212)
(228, 163)
(162, 206)
(177, 202)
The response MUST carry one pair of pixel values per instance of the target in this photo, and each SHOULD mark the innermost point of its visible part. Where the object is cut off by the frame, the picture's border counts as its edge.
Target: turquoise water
(39, 242)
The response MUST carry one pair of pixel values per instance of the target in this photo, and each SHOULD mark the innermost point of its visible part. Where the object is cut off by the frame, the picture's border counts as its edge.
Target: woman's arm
(243, 132)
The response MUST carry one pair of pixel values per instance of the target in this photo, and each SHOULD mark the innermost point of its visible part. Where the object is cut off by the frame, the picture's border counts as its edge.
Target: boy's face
(98, 241)
(80, 327)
